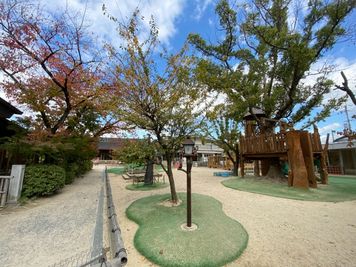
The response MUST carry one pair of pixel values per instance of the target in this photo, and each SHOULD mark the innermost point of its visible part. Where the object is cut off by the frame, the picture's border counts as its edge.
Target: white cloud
(165, 14)
(330, 127)
(211, 22)
(340, 64)
(201, 6)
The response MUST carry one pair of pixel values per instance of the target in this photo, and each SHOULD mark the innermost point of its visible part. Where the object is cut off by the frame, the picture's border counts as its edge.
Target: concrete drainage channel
(118, 251)
(98, 255)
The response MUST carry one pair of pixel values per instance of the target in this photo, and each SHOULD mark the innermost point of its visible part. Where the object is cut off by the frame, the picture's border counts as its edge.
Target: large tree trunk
(235, 163)
(172, 185)
(149, 173)
(275, 169)
(235, 168)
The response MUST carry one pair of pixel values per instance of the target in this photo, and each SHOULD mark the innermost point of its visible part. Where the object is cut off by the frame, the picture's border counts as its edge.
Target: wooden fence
(263, 144)
(4, 188)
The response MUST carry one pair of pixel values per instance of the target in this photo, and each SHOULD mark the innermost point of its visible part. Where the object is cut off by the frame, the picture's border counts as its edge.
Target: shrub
(85, 166)
(72, 171)
(43, 180)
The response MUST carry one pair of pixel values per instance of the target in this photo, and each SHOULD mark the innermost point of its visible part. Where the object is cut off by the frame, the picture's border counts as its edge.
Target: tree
(138, 152)
(262, 60)
(156, 93)
(223, 130)
(345, 87)
(50, 66)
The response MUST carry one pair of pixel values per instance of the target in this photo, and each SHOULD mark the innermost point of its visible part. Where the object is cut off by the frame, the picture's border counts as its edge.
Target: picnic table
(139, 177)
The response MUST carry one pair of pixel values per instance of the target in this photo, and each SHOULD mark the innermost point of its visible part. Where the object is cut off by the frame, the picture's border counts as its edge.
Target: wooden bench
(140, 178)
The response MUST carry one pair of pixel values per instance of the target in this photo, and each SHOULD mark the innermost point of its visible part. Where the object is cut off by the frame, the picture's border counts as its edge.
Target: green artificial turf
(143, 187)
(117, 170)
(217, 241)
(339, 189)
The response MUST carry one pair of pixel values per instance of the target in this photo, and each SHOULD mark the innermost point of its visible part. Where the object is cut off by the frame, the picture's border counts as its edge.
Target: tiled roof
(111, 143)
(7, 110)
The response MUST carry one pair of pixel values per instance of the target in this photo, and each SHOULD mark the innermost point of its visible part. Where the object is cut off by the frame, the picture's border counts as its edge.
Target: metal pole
(189, 191)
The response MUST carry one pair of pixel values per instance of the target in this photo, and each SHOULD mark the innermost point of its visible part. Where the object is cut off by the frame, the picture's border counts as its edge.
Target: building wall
(345, 159)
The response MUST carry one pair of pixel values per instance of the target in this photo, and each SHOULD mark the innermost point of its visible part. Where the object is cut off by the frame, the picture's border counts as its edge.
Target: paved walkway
(48, 230)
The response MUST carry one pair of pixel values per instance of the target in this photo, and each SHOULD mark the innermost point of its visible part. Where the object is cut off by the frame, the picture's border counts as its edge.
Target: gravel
(48, 230)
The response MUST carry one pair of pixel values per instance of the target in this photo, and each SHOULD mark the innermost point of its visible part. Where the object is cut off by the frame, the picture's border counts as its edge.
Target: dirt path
(48, 230)
(282, 232)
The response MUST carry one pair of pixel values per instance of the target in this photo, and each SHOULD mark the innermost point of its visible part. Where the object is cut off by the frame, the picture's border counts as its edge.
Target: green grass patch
(117, 170)
(217, 241)
(143, 187)
(339, 189)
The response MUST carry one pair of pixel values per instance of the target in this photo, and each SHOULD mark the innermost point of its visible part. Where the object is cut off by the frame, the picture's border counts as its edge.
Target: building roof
(7, 110)
(342, 143)
(108, 143)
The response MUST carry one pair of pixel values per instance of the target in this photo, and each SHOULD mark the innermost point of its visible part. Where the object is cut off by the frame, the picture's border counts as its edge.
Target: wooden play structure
(218, 161)
(300, 149)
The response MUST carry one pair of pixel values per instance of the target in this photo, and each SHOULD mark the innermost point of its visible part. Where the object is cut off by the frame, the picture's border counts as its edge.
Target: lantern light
(188, 146)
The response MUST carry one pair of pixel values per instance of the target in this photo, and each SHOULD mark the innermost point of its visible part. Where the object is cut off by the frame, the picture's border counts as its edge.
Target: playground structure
(298, 148)
(219, 161)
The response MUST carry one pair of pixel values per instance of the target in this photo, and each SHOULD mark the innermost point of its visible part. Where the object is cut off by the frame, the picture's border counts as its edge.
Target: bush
(43, 180)
(85, 166)
(72, 171)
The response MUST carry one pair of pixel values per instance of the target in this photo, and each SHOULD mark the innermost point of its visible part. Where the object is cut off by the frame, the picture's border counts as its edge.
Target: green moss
(339, 189)
(217, 241)
(143, 187)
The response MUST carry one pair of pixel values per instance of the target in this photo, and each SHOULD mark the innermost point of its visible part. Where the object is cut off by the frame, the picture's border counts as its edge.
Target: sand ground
(282, 232)
(49, 230)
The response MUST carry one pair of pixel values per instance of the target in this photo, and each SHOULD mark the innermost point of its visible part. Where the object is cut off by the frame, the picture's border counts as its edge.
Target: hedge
(43, 180)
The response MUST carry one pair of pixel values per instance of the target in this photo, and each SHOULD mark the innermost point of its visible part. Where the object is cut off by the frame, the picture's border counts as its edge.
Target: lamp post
(188, 152)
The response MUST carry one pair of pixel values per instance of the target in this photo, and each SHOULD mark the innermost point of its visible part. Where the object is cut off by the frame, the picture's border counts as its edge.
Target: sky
(177, 18)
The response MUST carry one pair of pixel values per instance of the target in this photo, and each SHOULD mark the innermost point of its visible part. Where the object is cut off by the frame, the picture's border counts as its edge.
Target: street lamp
(188, 146)
(188, 152)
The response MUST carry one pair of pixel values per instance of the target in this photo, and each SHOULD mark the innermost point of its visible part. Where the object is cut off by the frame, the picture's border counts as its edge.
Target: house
(206, 149)
(107, 145)
(6, 111)
(342, 156)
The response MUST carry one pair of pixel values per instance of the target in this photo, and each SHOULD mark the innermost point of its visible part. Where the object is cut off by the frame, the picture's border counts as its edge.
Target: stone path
(48, 230)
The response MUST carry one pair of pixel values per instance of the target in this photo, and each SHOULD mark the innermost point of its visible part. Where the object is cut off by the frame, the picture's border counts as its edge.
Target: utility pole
(347, 117)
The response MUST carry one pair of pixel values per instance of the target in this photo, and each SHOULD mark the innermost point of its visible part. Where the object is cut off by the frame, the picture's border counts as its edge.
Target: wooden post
(256, 168)
(265, 163)
(323, 168)
(242, 167)
(299, 174)
(307, 150)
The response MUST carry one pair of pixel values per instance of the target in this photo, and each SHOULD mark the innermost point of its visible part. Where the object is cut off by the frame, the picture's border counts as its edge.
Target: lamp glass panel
(188, 149)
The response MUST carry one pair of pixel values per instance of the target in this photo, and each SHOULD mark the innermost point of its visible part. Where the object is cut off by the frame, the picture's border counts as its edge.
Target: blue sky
(177, 18)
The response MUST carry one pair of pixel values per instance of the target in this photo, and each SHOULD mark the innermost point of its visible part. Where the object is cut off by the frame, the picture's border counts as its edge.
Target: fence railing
(4, 189)
(118, 250)
(99, 259)
(263, 143)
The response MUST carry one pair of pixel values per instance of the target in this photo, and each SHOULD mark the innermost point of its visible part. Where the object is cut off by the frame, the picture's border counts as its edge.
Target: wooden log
(256, 168)
(265, 163)
(307, 150)
(242, 167)
(299, 172)
(323, 167)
